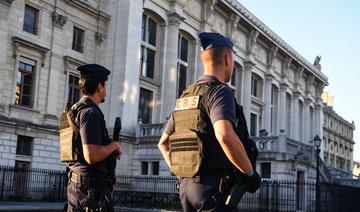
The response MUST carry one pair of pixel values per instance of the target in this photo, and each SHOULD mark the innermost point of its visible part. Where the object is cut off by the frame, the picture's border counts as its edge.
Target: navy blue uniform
(90, 185)
(198, 195)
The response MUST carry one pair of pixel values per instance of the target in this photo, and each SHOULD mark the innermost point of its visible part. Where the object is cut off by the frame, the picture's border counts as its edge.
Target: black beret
(94, 71)
(210, 40)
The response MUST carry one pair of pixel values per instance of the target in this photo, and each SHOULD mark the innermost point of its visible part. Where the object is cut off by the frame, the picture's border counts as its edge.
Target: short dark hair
(217, 53)
(88, 86)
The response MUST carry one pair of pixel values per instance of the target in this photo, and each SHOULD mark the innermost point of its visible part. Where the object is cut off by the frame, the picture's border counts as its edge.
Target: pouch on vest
(67, 148)
(185, 145)
(185, 153)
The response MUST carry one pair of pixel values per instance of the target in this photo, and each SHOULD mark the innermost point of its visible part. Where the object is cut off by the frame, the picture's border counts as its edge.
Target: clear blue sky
(330, 28)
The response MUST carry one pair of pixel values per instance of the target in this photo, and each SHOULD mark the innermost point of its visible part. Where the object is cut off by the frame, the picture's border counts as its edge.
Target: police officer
(92, 175)
(199, 143)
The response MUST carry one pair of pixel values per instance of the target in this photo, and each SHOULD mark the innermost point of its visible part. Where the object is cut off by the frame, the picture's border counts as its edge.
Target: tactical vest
(194, 149)
(70, 140)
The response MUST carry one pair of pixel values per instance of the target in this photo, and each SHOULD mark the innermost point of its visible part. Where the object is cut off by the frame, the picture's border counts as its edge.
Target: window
(233, 78)
(274, 109)
(253, 124)
(145, 106)
(155, 168)
(148, 47)
(288, 114)
(182, 65)
(30, 19)
(25, 83)
(144, 168)
(78, 40)
(74, 90)
(254, 85)
(24, 145)
(265, 170)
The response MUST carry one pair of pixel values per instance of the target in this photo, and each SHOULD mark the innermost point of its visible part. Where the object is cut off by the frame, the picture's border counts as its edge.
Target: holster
(232, 187)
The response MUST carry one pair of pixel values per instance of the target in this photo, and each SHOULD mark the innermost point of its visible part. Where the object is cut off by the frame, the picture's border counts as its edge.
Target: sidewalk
(31, 206)
(10, 206)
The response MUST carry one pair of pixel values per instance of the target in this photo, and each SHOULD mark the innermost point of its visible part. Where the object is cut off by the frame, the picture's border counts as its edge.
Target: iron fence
(160, 192)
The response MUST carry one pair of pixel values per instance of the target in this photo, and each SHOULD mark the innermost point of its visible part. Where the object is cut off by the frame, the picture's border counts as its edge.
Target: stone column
(122, 58)
(318, 125)
(248, 65)
(267, 108)
(295, 116)
(282, 108)
(170, 74)
(307, 121)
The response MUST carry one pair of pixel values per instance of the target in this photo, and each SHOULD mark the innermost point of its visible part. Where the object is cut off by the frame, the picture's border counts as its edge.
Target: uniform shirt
(89, 120)
(221, 104)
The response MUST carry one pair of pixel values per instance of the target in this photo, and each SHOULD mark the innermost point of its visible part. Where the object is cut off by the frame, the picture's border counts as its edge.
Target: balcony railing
(149, 130)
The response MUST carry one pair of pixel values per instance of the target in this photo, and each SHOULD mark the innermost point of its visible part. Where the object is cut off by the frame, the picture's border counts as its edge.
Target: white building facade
(153, 51)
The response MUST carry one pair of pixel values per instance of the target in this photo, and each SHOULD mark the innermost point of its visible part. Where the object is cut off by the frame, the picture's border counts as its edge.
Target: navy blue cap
(94, 71)
(212, 39)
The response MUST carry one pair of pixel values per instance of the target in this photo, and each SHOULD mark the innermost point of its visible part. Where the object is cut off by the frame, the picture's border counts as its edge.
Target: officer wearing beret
(199, 143)
(92, 174)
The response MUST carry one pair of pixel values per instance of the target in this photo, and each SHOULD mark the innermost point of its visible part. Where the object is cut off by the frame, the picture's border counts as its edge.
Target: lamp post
(317, 143)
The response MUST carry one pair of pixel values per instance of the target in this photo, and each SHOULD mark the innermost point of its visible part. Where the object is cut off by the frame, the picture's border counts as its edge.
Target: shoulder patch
(187, 103)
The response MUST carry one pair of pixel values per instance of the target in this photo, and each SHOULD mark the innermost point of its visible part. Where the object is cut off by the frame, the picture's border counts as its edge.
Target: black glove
(253, 182)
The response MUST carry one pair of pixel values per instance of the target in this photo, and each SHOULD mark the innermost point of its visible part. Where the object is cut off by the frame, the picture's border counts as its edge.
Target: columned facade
(152, 49)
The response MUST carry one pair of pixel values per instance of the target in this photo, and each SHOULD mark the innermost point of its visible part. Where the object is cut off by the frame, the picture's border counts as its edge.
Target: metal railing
(160, 192)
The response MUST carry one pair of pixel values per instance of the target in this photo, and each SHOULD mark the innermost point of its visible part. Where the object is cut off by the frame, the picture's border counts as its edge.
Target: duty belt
(90, 180)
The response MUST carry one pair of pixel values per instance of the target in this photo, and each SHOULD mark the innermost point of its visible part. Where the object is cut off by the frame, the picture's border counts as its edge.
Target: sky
(330, 28)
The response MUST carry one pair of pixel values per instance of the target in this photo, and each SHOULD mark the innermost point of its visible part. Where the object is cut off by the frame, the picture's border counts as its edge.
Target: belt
(83, 179)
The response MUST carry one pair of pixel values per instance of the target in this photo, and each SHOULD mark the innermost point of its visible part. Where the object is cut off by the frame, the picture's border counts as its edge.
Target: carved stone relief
(58, 19)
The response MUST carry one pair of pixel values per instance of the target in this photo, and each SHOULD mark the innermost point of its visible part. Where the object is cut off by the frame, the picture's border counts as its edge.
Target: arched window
(256, 86)
(148, 46)
(182, 63)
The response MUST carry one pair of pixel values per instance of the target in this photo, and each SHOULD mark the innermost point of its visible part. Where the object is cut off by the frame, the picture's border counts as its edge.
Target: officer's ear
(228, 57)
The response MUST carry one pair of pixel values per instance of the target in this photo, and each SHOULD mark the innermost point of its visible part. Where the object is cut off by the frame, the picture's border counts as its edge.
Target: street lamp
(317, 143)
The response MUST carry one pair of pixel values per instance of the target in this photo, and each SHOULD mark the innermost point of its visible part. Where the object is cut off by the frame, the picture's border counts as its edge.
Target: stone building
(42, 43)
(153, 51)
(338, 138)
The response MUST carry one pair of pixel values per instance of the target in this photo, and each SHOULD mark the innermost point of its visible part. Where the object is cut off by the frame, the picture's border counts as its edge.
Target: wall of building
(338, 141)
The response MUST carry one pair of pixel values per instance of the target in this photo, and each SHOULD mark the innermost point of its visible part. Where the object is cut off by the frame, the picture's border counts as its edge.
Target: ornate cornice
(17, 42)
(58, 19)
(82, 5)
(268, 33)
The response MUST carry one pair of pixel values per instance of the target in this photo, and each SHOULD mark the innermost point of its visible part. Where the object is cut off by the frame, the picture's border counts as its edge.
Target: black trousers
(198, 196)
(85, 198)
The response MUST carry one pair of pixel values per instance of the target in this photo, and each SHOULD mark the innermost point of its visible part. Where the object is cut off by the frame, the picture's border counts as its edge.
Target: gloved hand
(253, 182)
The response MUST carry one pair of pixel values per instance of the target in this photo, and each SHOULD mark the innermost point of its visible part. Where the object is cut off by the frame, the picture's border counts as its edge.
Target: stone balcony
(280, 148)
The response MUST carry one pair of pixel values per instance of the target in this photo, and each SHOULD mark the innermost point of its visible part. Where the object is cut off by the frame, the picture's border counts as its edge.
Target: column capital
(269, 77)
(175, 18)
(248, 65)
(296, 94)
(283, 86)
(307, 101)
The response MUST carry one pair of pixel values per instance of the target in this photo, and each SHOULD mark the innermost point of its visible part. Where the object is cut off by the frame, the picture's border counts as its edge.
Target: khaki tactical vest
(69, 133)
(194, 149)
